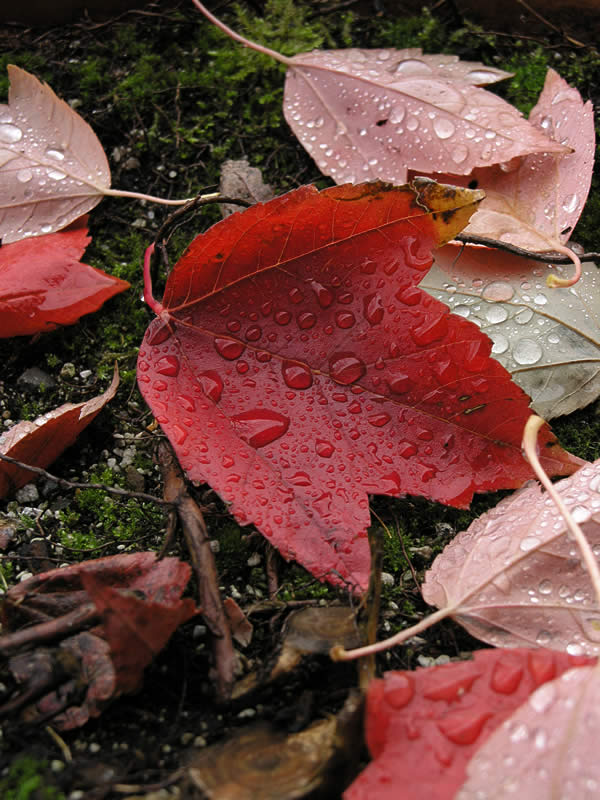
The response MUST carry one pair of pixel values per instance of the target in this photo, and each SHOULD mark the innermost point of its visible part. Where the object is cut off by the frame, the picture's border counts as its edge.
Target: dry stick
(67, 624)
(203, 562)
(372, 604)
(116, 490)
(547, 258)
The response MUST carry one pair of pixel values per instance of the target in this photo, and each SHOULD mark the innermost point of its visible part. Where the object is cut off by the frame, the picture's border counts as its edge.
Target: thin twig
(116, 490)
(548, 258)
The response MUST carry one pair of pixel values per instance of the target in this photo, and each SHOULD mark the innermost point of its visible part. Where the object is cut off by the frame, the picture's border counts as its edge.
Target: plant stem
(148, 297)
(238, 38)
(149, 197)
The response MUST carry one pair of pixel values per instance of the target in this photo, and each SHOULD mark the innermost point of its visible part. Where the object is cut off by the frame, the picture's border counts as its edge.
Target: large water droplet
(253, 333)
(10, 133)
(397, 114)
(168, 365)
(399, 384)
(496, 314)
(229, 348)
(56, 174)
(443, 127)
(379, 420)
(524, 317)
(24, 175)
(373, 309)
(499, 343)
(324, 449)
(460, 153)
(296, 374)
(282, 317)
(412, 124)
(411, 66)
(581, 514)
(306, 320)
(56, 153)
(345, 319)
(527, 351)
(211, 385)
(528, 543)
(498, 291)
(160, 334)
(260, 426)
(570, 203)
(346, 368)
(481, 76)
(324, 296)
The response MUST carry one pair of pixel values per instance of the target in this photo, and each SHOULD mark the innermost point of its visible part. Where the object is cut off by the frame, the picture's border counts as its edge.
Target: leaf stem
(238, 38)
(534, 423)
(565, 257)
(338, 653)
(149, 197)
(148, 296)
(554, 282)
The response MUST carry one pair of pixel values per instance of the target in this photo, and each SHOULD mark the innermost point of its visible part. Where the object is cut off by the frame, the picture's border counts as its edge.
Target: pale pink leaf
(547, 749)
(536, 202)
(52, 166)
(515, 576)
(548, 340)
(366, 114)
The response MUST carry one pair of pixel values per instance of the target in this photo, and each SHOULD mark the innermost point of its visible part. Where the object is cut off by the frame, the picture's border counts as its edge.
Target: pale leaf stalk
(148, 197)
(534, 423)
(148, 296)
(554, 282)
(338, 653)
(238, 38)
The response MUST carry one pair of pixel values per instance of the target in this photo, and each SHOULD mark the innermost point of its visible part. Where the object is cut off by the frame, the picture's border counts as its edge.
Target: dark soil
(171, 99)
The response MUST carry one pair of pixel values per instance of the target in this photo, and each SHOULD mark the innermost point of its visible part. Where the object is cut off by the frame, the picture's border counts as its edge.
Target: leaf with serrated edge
(550, 743)
(514, 577)
(548, 339)
(296, 367)
(52, 166)
(365, 114)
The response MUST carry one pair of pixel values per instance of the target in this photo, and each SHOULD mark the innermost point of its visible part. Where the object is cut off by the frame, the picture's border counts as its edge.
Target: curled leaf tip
(554, 282)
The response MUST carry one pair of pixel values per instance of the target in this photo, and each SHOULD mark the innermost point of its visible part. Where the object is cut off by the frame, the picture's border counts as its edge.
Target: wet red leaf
(44, 285)
(423, 727)
(296, 367)
(40, 442)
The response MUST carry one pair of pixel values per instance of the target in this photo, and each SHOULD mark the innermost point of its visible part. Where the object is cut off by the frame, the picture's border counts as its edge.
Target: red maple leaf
(44, 285)
(296, 367)
(422, 727)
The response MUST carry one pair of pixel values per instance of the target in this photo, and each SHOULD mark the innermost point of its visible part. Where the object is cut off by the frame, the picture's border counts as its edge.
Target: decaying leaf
(549, 744)
(262, 763)
(515, 576)
(43, 284)
(296, 367)
(52, 166)
(423, 727)
(40, 442)
(134, 603)
(548, 339)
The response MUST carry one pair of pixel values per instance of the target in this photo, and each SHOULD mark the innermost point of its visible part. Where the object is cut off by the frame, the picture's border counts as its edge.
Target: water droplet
(412, 124)
(570, 203)
(481, 76)
(261, 426)
(295, 295)
(306, 320)
(373, 309)
(397, 114)
(168, 365)
(498, 291)
(211, 385)
(462, 310)
(160, 334)
(230, 349)
(46, 228)
(460, 153)
(24, 175)
(56, 153)
(346, 368)
(411, 66)
(10, 133)
(554, 338)
(443, 127)
(399, 384)
(56, 174)
(324, 449)
(544, 697)
(282, 317)
(379, 420)
(496, 314)
(545, 587)
(406, 449)
(296, 375)
(524, 317)
(253, 333)
(527, 351)
(528, 543)
(540, 299)
(300, 479)
(499, 343)
(345, 319)
(179, 434)
(187, 403)
(543, 638)
(574, 649)
(581, 514)
(431, 330)
(324, 296)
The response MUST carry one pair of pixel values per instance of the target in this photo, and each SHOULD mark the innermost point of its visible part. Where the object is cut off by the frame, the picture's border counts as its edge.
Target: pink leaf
(422, 727)
(44, 285)
(52, 167)
(550, 743)
(40, 442)
(365, 114)
(515, 576)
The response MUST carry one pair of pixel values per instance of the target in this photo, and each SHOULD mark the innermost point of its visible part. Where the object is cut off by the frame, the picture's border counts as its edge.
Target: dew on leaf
(527, 351)
(324, 296)
(211, 385)
(499, 343)
(346, 368)
(24, 175)
(460, 153)
(443, 127)
(260, 427)
(498, 291)
(230, 349)
(324, 448)
(306, 320)
(296, 374)
(10, 133)
(345, 319)
(496, 314)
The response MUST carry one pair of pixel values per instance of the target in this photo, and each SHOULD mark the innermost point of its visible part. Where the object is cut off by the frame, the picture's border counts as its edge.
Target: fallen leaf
(548, 339)
(44, 285)
(40, 442)
(364, 114)
(52, 166)
(137, 601)
(515, 576)
(549, 743)
(534, 203)
(240, 180)
(423, 727)
(296, 367)
(367, 114)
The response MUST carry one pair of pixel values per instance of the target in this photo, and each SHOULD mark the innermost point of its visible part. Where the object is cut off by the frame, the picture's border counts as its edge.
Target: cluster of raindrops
(549, 340)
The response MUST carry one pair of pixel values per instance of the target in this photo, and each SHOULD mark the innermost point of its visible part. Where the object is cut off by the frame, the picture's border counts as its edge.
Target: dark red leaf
(44, 285)
(40, 442)
(422, 727)
(296, 367)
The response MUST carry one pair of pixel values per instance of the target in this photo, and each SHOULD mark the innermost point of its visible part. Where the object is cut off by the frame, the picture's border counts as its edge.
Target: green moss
(29, 779)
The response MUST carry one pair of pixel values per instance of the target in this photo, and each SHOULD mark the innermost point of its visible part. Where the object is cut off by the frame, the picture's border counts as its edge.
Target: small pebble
(387, 579)
(28, 494)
